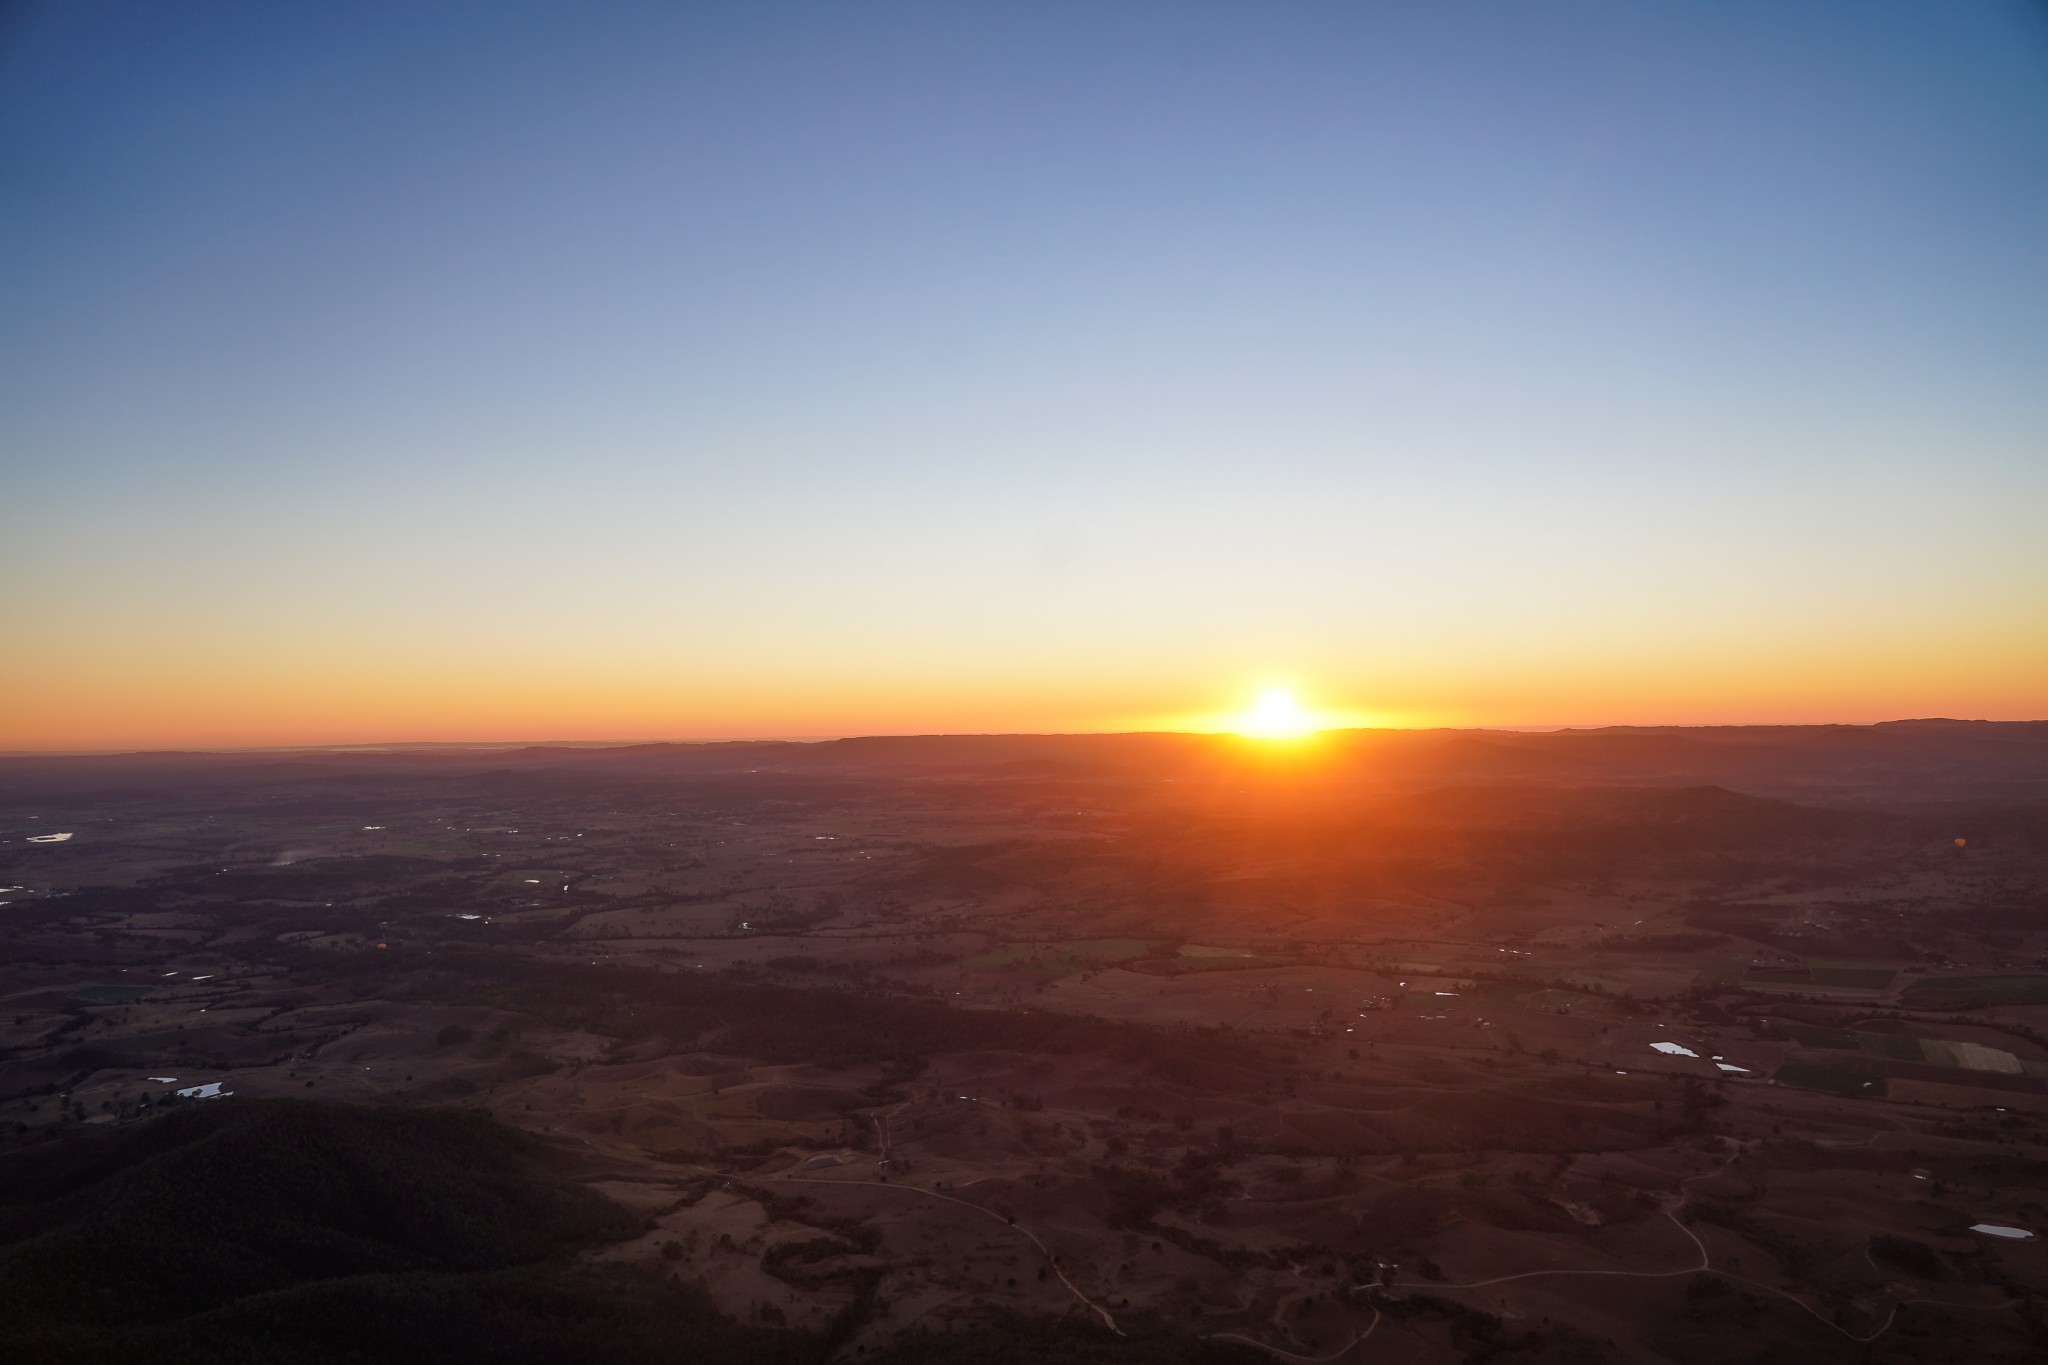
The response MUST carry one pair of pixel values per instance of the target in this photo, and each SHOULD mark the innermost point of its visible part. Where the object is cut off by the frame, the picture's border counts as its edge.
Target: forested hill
(297, 1233)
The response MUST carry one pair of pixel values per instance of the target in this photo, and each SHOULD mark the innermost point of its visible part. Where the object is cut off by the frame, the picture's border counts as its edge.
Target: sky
(381, 372)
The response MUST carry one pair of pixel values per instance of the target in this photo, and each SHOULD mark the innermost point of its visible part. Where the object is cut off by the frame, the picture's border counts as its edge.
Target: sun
(1276, 715)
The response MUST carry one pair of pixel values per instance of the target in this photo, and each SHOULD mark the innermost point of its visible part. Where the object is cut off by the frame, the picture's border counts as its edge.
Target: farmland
(866, 1059)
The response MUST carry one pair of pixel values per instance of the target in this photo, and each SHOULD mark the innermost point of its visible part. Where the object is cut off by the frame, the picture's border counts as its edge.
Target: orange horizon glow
(162, 674)
(276, 680)
(1029, 374)
(115, 709)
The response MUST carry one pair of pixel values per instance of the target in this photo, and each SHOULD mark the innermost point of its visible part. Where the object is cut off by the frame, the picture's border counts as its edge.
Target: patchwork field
(1080, 1063)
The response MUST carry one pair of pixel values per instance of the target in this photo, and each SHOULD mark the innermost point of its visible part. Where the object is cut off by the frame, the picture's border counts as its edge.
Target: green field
(1821, 977)
(1961, 992)
(1854, 978)
(1553, 999)
(1847, 1076)
(1184, 963)
(1063, 958)
(1809, 1035)
(111, 995)
(1896, 1046)
(1720, 975)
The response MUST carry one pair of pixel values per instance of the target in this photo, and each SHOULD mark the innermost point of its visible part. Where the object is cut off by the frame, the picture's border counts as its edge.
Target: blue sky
(791, 368)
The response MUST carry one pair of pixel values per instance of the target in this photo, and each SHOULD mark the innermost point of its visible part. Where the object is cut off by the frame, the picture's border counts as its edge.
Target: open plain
(1627, 1045)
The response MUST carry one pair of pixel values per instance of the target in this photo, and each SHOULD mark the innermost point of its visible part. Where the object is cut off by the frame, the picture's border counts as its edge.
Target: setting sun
(986, 608)
(1276, 715)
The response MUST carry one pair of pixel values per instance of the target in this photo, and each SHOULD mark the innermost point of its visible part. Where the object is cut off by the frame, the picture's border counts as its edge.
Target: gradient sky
(398, 371)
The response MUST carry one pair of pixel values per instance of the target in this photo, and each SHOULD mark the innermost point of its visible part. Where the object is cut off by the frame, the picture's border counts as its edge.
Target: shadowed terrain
(1583, 1046)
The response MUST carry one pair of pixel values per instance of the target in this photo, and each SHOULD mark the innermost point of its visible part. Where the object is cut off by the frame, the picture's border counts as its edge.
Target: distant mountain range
(1884, 763)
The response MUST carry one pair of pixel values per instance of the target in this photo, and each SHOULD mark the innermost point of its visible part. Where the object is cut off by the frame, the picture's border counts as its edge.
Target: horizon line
(399, 746)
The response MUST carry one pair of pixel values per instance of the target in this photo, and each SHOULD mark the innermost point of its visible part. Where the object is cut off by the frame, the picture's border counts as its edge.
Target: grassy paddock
(1962, 992)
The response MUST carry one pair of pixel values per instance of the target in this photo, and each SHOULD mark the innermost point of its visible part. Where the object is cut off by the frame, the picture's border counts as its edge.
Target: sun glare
(1276, 715)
